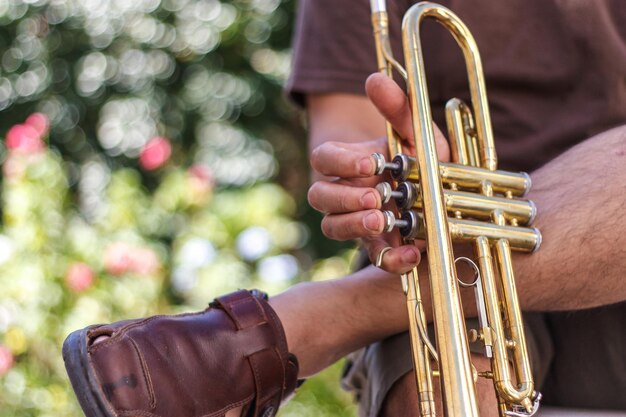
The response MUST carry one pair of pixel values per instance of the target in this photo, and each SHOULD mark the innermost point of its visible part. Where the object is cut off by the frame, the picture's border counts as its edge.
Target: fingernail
(369, 201)
(371, 222)
(366, 167)
(410, 256)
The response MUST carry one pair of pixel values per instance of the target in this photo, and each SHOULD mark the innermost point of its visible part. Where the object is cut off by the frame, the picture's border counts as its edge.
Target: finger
(442, 145)
(369, 182)
(353, 225)
(391, 102)
(396, 260)
(334, 159)
(333, 197)
(393, 105)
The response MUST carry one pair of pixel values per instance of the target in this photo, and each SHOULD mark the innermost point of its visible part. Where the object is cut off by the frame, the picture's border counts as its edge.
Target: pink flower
(39, 122)
(14, 167)
(155, 153)
(117, 258)
(202, 173)
(121, 258)
(79, 277)
(6, 360)
(144, 261)
(201, 184)
(24, 138)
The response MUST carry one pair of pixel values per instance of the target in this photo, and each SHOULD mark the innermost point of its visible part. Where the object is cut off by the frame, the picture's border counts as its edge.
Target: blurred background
(150, 162)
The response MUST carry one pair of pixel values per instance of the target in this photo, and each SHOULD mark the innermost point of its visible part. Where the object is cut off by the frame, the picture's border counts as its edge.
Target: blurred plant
(142, 253)
(139, 180)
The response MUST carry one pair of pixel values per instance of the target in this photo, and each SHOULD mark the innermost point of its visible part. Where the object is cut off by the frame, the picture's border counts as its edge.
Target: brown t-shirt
(555, 69)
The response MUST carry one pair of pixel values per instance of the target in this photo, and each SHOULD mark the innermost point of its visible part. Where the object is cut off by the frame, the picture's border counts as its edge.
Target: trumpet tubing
(404, 168)
(467, 200)
(465, 204)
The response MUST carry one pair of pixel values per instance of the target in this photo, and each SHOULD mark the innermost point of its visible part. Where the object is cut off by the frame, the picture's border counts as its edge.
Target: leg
(402, 398)
(588, 350)
(324, 321)
(348, 314)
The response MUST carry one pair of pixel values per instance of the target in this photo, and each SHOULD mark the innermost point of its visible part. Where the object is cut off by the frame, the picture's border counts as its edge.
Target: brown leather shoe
(232, 354)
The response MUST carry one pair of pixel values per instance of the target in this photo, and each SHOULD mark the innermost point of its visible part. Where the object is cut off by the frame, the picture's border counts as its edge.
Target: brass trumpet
(467, 200)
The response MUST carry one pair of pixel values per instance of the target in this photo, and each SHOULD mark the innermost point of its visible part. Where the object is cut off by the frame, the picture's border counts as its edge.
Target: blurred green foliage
(172, 170)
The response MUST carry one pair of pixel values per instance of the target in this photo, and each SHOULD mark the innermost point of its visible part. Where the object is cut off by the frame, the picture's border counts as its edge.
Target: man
(233, 358)
(551, 86)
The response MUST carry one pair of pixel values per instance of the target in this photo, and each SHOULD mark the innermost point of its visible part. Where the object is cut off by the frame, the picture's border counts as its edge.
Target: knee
(401, 400)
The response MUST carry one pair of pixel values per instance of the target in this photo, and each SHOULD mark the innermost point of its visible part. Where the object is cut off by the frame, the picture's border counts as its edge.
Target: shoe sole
(82, 376)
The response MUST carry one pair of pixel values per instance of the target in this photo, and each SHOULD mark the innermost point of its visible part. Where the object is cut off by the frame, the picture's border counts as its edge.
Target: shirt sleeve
(333, 47)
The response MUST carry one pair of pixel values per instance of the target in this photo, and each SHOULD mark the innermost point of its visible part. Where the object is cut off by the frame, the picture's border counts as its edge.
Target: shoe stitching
(96, 390)
(146, 374)
(134, 413)
(116, 335)
(278, 327)
(273, 391)
(257, 378)
(147, 379)
(284, 381)
(99, 378)
(260, 308)
(260, 311)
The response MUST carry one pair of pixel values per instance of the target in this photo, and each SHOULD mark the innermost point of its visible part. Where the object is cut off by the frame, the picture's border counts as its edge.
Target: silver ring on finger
(379, 258)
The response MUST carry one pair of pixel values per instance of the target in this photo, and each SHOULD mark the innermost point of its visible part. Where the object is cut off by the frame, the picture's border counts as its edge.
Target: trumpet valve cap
(379, 163)
(385, 191)
(390, 221)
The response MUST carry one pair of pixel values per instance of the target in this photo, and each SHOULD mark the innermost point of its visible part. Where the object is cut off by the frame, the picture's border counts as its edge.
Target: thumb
(393, 105)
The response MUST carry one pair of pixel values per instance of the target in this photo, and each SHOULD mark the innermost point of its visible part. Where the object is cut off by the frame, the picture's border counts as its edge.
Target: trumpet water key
(467, 200)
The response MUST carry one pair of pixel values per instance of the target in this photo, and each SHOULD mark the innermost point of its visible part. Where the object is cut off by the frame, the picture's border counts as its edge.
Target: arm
(579, 196)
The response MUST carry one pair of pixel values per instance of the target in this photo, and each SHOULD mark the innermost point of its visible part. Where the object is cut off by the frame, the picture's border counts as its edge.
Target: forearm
(326, 320)
(580, 198)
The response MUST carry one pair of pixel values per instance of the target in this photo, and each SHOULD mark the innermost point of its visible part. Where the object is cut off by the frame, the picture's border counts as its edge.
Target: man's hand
(351, 205)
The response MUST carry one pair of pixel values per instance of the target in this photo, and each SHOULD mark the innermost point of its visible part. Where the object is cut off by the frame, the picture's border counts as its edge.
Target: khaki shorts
(578, 360)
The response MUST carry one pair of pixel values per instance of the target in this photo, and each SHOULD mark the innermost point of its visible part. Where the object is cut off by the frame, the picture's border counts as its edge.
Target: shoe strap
(243, 308)
(273, 368)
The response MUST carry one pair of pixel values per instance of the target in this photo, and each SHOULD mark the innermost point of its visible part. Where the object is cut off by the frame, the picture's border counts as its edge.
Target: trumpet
(467, 200)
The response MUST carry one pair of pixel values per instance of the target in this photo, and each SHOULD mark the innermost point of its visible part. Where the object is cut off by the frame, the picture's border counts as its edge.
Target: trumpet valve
(409, 224)
(381, 164)
(400, 166)
(408, 195)
(391, 221)
(405, 195)
(387, 193)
